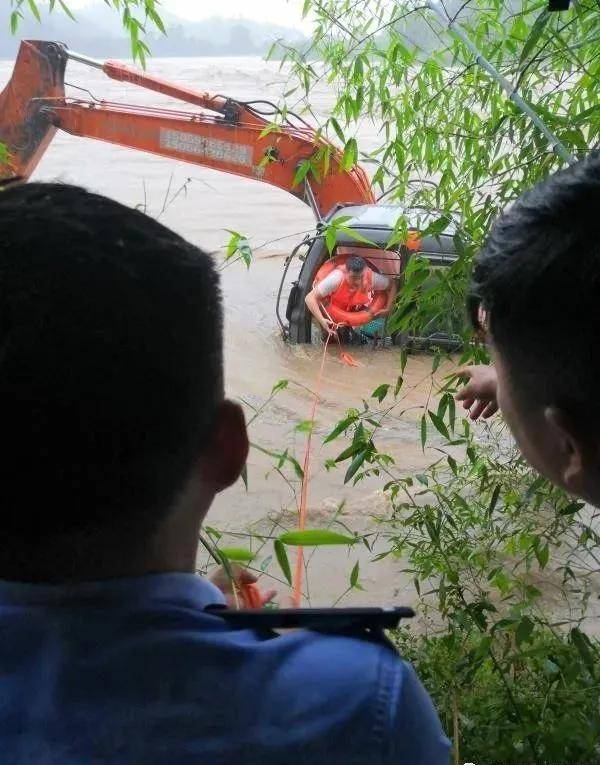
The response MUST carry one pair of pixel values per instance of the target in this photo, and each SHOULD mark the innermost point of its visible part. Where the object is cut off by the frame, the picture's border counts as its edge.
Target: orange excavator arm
(225, 135)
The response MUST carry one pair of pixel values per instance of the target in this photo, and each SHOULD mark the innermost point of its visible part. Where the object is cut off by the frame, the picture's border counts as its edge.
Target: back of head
(538, 281)
(110, 365)
(356, 264)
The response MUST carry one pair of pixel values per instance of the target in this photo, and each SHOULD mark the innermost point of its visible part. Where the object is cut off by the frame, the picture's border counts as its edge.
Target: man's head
(111, 379)
(355, 266)
(538, 281)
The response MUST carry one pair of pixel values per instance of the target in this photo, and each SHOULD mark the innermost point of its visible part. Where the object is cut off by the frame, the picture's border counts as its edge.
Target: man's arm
(322, 290)
(392, 292)
(314, 306)
(380, 284)
(480, 394)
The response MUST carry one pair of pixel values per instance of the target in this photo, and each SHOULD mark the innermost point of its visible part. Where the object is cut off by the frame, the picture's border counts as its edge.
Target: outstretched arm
(480, 393)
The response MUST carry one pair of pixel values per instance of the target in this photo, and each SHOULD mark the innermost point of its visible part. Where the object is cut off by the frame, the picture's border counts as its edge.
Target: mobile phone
(328, 619)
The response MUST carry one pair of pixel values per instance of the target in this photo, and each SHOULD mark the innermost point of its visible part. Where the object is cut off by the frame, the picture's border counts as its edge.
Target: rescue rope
(347, 359)
(299, 571)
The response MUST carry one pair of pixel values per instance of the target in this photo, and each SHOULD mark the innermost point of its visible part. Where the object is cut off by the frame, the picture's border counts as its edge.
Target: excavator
(227, 135)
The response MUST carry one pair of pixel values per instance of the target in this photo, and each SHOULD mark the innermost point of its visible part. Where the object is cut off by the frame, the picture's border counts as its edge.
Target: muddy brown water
(200, 204)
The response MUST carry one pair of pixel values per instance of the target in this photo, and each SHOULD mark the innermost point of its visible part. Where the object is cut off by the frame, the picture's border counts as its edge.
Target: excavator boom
(38, 78)
(226, 135)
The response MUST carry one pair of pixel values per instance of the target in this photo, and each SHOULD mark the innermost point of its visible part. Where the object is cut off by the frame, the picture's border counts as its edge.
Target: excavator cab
(372, 227)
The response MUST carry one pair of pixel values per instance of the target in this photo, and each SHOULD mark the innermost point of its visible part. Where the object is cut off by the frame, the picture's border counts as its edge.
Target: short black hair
(110, 363)
(537, 282)
(356, 264)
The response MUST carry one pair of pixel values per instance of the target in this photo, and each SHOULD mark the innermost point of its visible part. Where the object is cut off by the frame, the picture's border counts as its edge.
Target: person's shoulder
(368, 684)
(381, 279)
(330, 649)
(331, 282)
(351, 664)
(336, 275)
(345, 667)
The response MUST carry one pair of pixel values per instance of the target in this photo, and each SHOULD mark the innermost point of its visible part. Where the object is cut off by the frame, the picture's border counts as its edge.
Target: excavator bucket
(25, 131)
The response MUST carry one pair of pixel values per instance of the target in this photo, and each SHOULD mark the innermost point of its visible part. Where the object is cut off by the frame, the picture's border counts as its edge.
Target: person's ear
(572, 452)
(227, 452)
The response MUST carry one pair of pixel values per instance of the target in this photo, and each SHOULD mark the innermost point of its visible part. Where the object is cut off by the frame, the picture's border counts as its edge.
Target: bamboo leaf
(238, 554)
(338, 130)
(494, 500)
(439, 425)
(15, 16)
(305, 426)
(342, 426)
(315, 538)
(67, 10)
(301, 172)
(380, 392)
(572, 508)
(350, 451)
(330, 239)
(158, 22)
(542, 554)
(282, 559)
(34, 10)
(356, 463)
(583, 644)
(350, 156)
(281, 385)
(535, 34)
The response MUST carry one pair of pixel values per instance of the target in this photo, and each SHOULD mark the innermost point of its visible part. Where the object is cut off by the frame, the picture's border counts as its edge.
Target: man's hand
(381, 312)
(480, 392)
(242, 580)
(330, 327)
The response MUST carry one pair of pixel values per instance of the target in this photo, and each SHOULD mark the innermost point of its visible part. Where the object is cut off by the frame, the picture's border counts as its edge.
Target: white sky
(285, 12)
(288, 13)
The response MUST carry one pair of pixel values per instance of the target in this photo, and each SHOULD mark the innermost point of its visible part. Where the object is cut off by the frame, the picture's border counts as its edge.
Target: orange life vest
(349, 299)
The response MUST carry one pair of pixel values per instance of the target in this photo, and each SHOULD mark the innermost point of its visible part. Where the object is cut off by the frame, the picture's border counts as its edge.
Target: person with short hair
(350, 286)
(117, 437)
(535, 292)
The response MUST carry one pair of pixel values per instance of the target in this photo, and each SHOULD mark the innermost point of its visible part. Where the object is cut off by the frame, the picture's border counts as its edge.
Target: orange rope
(298, 573)
(347, 359)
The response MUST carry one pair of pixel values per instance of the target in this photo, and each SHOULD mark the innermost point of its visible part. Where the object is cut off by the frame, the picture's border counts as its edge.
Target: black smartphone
(313, 618)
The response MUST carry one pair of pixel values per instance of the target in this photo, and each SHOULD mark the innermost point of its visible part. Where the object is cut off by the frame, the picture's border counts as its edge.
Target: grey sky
(285, 12)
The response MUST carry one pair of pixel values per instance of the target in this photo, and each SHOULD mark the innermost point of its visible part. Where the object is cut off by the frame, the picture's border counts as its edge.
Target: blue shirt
(132, 672)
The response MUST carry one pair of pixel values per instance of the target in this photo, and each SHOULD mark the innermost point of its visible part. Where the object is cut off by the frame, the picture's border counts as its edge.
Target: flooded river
(201, 204)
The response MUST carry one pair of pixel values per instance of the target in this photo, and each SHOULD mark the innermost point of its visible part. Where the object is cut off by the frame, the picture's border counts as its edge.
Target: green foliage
(316, 538)
(542, 709)
(331, 230)
(238, 554)
(282, 559)
(238, 248)
(315, 167)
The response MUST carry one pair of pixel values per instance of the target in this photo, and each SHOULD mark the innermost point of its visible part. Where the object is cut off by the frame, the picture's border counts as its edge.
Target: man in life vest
(350, 287)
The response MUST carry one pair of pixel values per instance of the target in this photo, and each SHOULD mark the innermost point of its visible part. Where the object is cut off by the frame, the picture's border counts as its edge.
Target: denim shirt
(132, 671)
